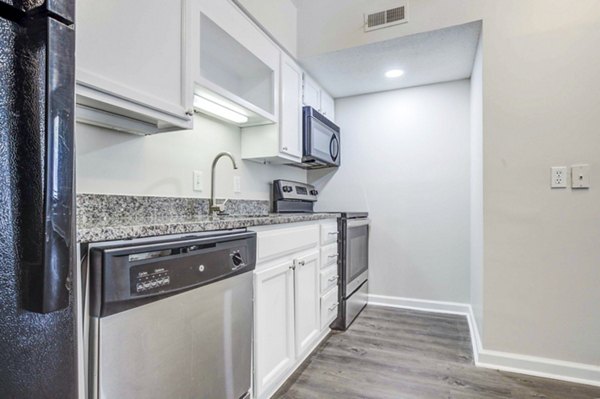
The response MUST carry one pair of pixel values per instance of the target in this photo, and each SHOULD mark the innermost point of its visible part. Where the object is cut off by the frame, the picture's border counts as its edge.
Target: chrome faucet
(212, 205)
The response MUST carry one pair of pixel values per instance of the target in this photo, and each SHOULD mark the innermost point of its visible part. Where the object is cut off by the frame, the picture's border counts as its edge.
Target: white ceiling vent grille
(386, 18)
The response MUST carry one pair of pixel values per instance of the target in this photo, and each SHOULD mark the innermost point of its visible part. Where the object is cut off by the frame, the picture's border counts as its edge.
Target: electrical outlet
(559, 177)
(580, 176)
(198, 181)
(237, 184)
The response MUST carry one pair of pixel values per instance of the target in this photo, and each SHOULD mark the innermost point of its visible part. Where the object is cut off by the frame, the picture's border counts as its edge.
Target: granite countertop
(127, 228)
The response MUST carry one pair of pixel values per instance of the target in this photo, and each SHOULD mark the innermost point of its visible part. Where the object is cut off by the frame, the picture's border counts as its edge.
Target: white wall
(541, 249)
(110, 162)
(541, 109)
(405, 160)
(476, 188)
(279, 17)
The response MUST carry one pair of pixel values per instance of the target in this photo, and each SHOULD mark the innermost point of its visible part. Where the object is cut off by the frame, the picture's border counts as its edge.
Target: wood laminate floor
(404, 354)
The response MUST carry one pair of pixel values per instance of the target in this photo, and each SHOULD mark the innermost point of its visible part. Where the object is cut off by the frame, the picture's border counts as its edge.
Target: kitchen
(242, 177)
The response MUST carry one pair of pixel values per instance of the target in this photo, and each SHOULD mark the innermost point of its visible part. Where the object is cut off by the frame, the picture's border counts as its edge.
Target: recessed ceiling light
(394, 73)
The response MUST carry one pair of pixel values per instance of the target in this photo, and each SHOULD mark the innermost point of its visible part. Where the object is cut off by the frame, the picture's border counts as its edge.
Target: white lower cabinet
(306, 283)
(329, 278)
(329, 307)
(274, 324)
(288, 302)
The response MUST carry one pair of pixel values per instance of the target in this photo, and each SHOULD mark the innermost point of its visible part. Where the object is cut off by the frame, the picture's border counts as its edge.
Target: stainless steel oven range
(353, 247)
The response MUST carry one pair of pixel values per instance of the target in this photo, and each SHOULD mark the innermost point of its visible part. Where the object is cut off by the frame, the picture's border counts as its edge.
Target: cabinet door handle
(284, 148)
(301, 263)
(333, 233)
(331, 308)
(293, 267)
(334, 278)
(332, 256)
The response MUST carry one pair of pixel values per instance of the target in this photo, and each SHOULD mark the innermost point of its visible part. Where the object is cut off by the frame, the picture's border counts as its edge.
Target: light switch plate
(198, 181)
(580, 176)
(237, 184)
(559, 177)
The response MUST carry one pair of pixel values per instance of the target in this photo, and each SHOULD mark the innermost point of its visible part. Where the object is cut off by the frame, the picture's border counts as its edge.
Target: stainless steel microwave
(321, 140)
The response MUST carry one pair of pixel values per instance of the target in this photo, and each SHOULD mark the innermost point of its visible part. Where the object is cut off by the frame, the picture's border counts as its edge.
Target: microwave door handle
(332, 146)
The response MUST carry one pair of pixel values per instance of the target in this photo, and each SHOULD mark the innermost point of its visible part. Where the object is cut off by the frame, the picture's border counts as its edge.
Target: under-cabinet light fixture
(218, 110)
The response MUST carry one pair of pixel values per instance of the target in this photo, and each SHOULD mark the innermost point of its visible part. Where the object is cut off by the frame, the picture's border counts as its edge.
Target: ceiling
(426, 58)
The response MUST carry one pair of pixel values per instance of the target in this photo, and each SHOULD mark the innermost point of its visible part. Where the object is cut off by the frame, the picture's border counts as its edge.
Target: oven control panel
(294, 191)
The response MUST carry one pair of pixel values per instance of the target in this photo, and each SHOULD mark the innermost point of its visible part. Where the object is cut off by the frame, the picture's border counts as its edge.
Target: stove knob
(314, 192)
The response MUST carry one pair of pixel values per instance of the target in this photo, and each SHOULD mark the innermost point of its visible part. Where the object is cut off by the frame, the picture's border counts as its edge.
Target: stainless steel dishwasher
(172, 318)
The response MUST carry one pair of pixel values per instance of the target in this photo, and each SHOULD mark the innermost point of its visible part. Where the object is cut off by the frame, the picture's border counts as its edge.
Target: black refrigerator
(37, 321)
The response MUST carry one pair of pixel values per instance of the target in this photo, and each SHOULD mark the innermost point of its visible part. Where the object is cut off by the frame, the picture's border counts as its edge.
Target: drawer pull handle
(333, 233)
(334, 278)
(331, 308)
(332, 256)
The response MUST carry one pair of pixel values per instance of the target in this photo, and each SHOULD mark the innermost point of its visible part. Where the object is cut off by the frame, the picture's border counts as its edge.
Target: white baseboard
(579, 373)
(463, 309)
(419, 304)
(531, 365)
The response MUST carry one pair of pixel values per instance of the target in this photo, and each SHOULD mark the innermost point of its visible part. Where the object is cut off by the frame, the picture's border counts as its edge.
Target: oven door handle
(358, 223)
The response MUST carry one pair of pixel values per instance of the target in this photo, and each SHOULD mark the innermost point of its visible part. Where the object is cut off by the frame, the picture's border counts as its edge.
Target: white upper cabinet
(236, 66)
(314, 96)
(291, 107)
(280, 143)
(312, 93)
(327, 106)
(132, 65)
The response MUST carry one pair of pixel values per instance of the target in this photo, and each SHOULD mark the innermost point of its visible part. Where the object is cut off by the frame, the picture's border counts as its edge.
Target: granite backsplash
(103, 208)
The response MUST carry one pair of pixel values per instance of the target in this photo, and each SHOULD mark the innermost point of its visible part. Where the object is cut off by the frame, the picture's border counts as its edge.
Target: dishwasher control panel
(130, 274)
(158, 273)
(147, 280)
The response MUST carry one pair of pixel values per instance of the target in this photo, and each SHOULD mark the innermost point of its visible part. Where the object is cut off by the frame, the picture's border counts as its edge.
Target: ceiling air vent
(386, 18)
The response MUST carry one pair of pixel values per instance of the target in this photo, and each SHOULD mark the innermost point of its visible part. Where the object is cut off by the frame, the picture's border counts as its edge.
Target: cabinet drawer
(329, 255)
(283, 241)
(329, 308)
(329, 233)
(329, 278)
